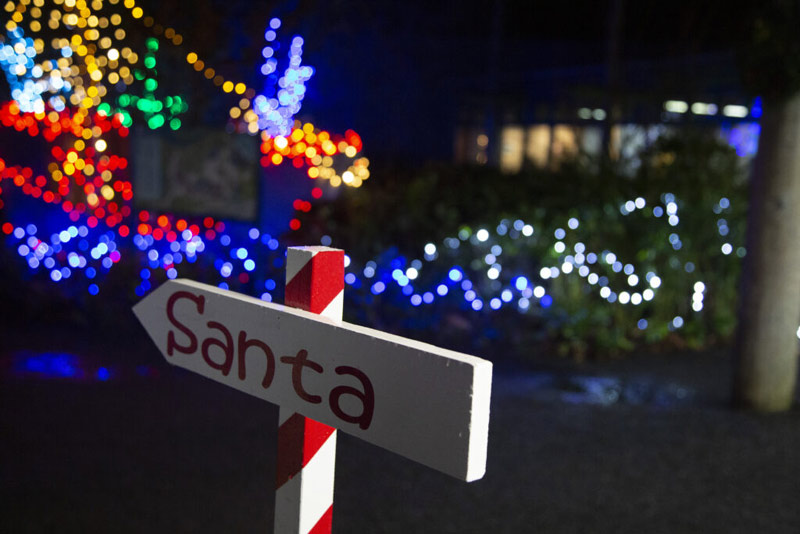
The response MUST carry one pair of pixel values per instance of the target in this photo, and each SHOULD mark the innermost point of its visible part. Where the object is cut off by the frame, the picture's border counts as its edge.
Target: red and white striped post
(307, 448)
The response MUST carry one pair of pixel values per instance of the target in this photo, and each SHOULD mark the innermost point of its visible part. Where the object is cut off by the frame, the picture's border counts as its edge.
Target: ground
(644, 445)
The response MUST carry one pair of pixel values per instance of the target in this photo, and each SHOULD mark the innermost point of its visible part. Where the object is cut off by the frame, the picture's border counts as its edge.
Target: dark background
(405, 74)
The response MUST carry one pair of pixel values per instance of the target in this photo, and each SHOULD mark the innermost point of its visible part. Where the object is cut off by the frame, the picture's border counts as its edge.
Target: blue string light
(27, 79)
(283, 95)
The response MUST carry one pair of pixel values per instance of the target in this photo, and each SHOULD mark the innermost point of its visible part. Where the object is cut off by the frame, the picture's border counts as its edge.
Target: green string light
(157, 112)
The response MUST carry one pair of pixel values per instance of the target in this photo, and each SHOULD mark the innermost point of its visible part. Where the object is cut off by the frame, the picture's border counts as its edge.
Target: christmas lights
(63, 93)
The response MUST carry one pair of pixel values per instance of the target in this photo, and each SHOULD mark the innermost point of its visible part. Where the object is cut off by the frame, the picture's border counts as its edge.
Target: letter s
(172, 345)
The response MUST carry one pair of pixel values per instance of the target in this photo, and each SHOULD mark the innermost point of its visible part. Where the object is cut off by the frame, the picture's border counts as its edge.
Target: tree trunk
(766, 353)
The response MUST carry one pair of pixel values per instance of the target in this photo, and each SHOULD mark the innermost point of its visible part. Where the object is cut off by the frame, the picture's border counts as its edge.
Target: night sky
(403, 73)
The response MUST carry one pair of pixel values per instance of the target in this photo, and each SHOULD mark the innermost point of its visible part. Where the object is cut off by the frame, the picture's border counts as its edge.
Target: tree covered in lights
(79, 80)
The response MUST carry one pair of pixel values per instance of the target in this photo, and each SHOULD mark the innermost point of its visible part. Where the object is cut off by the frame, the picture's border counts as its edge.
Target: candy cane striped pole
(307, 448)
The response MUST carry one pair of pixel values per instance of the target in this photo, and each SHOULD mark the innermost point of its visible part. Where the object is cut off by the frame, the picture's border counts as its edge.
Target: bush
(591, 262)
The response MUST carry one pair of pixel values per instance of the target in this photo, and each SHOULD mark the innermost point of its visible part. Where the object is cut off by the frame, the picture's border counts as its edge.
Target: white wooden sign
(426, 403)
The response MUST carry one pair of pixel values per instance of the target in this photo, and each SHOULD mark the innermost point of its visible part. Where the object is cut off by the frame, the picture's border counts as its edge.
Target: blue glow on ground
(64, 366)
(48, 365)
(103, 374)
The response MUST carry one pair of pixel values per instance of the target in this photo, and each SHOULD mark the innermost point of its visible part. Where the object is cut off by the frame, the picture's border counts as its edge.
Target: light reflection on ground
(598, 390)
(64, 366)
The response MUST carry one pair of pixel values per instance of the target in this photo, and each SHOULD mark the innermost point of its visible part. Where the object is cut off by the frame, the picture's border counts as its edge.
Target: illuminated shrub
(595, 263)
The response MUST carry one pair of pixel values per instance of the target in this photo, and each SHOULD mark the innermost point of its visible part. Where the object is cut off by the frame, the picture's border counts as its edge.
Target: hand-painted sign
(426, 403)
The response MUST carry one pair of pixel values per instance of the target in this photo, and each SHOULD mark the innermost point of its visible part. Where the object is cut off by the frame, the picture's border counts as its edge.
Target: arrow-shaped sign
(426, 403)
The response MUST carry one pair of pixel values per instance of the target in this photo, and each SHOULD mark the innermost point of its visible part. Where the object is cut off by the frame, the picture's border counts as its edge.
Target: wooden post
(428, 404)
(307, 448)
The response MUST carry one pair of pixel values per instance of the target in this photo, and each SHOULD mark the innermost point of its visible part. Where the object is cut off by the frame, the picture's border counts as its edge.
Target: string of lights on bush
(486, 285)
